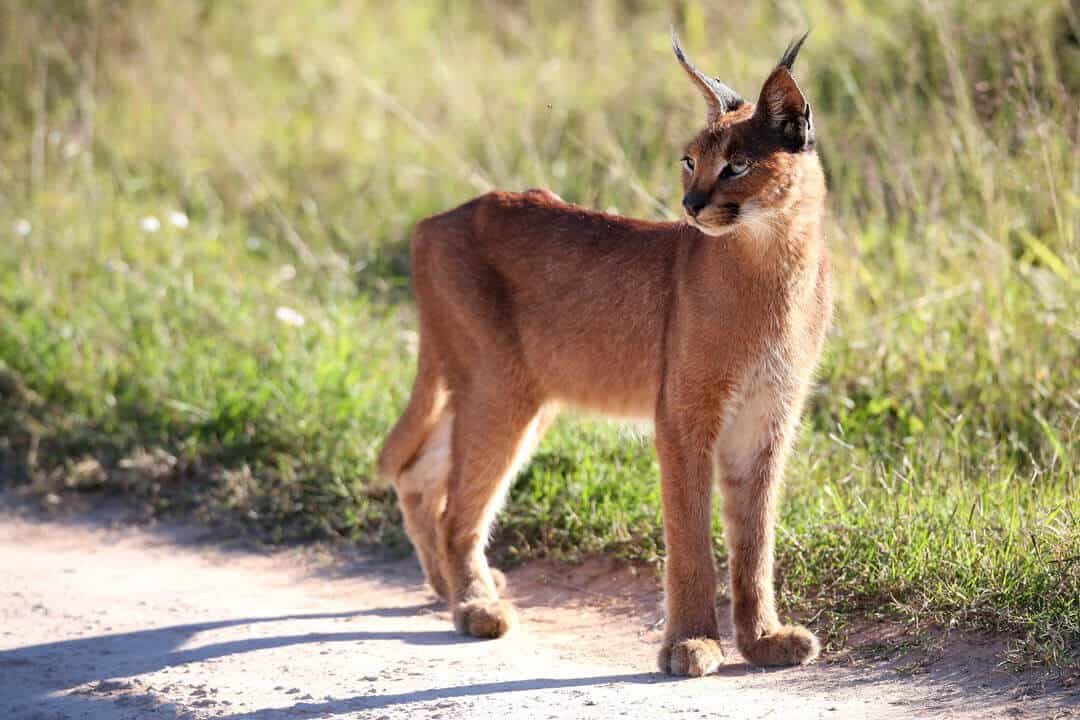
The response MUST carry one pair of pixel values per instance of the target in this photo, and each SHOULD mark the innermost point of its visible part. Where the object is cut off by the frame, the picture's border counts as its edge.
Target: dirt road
(130, 622)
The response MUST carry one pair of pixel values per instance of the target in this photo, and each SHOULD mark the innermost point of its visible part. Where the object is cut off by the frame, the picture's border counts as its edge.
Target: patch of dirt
(101, 618)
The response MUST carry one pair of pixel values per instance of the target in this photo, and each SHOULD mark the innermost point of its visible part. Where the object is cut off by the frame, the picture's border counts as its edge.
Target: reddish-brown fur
(712, 328)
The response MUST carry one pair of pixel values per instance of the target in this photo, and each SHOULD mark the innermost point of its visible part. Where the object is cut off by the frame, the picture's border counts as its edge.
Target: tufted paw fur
(787, 645)
(693, 657)
(442, 589)
(485, 618)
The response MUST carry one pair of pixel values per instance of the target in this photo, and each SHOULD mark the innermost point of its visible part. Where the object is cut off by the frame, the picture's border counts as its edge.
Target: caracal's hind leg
(421, 490)
(494, 431)
(416, 459)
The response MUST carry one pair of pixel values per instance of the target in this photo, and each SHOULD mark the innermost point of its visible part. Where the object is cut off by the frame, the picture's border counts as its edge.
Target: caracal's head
(751, 162)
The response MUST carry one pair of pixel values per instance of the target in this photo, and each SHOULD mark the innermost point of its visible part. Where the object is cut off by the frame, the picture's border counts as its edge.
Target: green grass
(937, 476)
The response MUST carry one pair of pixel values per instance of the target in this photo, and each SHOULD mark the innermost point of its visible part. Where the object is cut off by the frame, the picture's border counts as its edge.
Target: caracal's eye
(688, 163)
(738, 167)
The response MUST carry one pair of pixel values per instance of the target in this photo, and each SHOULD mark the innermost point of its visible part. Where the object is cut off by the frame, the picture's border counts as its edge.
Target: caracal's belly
(601, 369)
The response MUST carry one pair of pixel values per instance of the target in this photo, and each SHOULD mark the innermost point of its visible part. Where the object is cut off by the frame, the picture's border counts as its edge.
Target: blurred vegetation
(204, 212)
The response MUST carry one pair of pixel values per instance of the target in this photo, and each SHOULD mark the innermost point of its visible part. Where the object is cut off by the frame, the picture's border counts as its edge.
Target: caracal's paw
(485, 618)
(787, 645)
(693, 657)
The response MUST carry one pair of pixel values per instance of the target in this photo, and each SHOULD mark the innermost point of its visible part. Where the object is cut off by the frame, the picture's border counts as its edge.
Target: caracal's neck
(779, 247)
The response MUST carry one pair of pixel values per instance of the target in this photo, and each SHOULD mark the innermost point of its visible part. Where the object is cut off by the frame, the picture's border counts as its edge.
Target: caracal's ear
(718, 96)
(782, 105)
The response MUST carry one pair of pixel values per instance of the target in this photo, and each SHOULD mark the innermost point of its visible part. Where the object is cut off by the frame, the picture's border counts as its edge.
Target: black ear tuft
(792, 51)
(720, 97)
(783, 107)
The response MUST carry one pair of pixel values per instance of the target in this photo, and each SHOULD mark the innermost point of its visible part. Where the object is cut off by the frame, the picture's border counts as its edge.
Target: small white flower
(22, 227)
(285, 273)
(289, 316)
(178, 219)
(150, 224)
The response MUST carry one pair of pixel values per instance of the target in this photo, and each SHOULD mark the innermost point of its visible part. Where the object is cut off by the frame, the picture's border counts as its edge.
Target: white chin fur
(711, 231)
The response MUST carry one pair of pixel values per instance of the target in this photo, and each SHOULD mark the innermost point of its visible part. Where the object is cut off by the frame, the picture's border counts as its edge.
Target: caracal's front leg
(752, 454)
(691, 638)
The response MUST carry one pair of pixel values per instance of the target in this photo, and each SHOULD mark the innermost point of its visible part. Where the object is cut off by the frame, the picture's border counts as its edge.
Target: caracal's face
(737, 171)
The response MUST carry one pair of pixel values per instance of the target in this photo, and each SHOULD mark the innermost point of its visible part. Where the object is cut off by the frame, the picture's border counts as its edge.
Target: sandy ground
(111, 621)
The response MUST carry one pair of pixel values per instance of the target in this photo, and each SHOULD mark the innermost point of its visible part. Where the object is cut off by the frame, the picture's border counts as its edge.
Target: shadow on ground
(379, 702)
(101, 658)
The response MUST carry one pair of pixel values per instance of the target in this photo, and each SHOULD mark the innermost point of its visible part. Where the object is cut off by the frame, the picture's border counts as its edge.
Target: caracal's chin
(712, 230)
